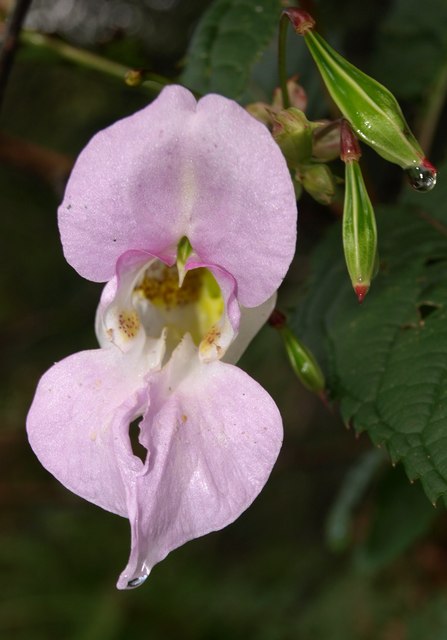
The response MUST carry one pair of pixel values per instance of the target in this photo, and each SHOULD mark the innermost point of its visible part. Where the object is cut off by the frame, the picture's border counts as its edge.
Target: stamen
(163, 289)
(196, 306)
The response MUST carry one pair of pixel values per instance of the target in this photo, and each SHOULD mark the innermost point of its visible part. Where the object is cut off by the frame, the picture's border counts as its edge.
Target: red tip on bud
(429, 166)
(360, 291)
(349, 145)
(277, 319)
(301, 20)
(422, 176)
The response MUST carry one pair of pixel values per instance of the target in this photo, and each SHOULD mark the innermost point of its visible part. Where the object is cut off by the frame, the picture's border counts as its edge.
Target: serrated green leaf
(229, 39)
(386, 361)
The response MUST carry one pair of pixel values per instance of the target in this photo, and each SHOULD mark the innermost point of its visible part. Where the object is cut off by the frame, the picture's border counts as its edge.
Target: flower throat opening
(195, 307)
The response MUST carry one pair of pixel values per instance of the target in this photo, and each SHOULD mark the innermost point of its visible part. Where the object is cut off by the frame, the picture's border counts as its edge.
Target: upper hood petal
(205, 170)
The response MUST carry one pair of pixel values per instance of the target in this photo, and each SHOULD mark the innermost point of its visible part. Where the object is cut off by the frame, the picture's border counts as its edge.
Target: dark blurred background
(281, 571)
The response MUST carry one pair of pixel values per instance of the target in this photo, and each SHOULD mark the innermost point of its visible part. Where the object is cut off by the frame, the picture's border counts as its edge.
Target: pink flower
(195, 192)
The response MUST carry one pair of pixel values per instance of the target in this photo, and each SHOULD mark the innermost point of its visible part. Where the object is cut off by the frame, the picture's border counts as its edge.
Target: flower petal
(206, 170)
(244, 216)
(212, 435)
(252, 319)
(124, 192)
(215, 344)
(79, 405)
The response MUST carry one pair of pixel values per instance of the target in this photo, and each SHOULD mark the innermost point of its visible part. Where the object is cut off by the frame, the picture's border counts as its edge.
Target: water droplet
(422, 178)
(137, 582)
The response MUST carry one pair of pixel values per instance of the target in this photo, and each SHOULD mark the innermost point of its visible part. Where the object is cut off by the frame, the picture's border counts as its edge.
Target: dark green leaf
(229, 39)
(431, 205)
(355, 484)
(402, 515)
(386, 361)
(412, 39)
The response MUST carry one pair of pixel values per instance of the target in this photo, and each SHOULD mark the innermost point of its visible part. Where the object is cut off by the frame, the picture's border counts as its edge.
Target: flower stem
(91, 60)
(10, 42)
(282, 59)
(433, 110)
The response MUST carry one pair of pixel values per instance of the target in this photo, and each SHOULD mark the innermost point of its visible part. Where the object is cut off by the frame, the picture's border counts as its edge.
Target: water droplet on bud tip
(423, 177)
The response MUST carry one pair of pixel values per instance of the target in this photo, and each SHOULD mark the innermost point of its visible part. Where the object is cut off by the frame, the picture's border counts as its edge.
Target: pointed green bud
(293, 133)
(318, 181)
(371, 109)
(303, 362)
(184, 250)
(359, 223)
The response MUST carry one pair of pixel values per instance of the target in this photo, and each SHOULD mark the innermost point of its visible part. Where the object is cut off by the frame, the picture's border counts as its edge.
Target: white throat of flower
(154, 306)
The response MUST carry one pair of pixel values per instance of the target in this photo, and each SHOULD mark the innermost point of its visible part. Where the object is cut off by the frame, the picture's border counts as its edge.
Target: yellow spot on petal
(212, 336)
(184, 418)
(210, 341)
(129, 323)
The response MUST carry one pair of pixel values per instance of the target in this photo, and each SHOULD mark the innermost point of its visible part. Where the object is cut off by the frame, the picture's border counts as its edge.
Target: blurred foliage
(401, 516)
(408, 21)
(269, 576)
(340, 521)
(231, 36)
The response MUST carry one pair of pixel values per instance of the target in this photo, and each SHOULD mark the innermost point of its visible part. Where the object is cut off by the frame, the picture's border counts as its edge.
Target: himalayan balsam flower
(187, 211)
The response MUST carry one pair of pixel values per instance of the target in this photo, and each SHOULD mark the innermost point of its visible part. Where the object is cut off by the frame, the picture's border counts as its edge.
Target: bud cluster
(370, 113)
(307, 145)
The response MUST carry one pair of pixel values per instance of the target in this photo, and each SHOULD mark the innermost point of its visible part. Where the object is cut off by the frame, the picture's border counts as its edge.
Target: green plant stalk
(432, 113)
(10, 40)
(90, 60)
(282, 59)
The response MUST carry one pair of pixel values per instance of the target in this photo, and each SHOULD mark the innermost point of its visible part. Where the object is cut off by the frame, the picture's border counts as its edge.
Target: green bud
(133, 77)
(261, 111)
(293, 133)
(359, 230)
(184, 250)
(371, 109)
(303, 362)
(318, 181)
